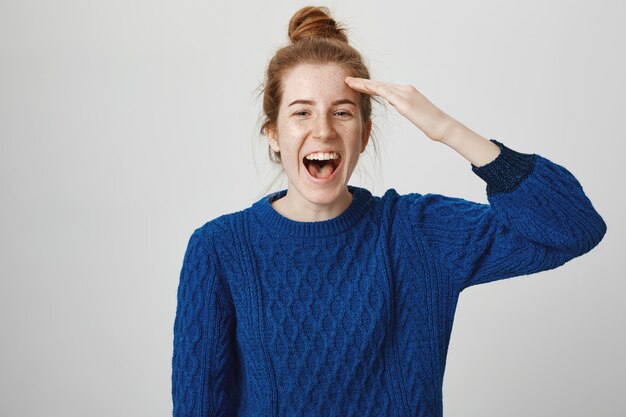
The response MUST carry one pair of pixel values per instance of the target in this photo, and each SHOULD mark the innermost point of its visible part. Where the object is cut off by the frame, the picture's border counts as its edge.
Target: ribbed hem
(505, 173)
(278, 225)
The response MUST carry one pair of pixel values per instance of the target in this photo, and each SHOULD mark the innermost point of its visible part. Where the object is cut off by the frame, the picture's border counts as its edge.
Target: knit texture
(352, 316)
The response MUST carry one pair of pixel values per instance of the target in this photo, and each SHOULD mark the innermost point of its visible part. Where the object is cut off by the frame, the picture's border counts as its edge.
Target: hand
(410, 103)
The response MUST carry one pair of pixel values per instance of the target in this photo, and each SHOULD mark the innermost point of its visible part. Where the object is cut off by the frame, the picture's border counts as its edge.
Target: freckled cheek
(290, 148)
(292, 140)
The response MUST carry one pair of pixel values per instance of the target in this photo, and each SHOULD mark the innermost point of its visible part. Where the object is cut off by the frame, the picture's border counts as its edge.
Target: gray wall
(125, 125)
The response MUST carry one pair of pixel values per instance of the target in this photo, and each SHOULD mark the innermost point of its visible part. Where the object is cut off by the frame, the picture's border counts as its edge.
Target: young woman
(325, 300)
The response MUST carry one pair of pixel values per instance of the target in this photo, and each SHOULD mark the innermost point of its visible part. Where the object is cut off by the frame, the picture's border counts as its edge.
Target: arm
(476, 149)
(203, 368)
(538, 217)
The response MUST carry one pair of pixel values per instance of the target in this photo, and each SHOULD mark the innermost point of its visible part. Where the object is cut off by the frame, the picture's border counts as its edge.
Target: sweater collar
(276, 224)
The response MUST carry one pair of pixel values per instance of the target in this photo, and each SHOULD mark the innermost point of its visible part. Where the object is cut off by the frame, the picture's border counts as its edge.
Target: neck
(295, 207)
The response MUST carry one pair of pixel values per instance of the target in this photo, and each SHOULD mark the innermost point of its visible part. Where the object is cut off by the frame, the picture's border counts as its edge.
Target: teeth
(322, 156)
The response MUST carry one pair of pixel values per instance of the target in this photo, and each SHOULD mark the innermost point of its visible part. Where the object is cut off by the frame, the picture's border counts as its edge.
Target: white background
(124, 125)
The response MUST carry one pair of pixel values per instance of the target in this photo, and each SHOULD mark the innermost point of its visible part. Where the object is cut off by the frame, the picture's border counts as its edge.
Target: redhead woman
(325, 300)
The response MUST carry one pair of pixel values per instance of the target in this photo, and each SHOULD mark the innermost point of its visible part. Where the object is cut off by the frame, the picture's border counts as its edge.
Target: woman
(323, 299)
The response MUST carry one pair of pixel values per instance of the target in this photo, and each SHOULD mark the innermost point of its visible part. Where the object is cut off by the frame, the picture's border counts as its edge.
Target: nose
(322, 128)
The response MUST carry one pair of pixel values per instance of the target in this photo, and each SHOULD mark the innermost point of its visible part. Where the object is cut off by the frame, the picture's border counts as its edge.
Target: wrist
(444, 128)
(469, 144)
(449, 131)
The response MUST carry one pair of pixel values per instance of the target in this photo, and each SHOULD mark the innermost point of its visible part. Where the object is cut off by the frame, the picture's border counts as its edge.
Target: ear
(272, 139)
(366, 134)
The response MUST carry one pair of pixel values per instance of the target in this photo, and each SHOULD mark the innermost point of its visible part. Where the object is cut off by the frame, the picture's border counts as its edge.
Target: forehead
(318, 82)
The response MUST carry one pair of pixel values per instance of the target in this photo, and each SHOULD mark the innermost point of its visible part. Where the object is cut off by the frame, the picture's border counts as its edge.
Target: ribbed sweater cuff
(507, 171)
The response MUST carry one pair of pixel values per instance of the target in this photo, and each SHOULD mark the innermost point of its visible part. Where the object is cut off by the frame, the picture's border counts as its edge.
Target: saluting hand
(410, 103)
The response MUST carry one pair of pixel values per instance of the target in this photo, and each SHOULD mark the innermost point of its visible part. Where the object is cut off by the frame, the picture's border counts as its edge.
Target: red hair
(316, 38)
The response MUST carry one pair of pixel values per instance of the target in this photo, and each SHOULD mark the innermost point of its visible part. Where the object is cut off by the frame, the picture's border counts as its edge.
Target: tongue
(321, 172)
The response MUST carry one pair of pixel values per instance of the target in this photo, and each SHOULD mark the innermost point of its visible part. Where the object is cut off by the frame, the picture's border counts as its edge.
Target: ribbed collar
(278, 225)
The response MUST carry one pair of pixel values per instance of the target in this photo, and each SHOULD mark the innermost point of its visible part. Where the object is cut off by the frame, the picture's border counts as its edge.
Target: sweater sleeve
(203, 361)
(538, 218)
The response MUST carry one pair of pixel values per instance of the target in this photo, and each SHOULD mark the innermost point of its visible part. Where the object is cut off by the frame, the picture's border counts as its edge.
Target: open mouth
(321, 169)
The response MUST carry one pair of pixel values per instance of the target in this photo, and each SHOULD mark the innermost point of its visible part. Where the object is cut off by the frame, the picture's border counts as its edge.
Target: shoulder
(212, 245)
(218, 230)
(417, 201)
(434, 209)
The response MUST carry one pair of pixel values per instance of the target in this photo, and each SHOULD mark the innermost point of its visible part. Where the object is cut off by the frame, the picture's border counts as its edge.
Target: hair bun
(315, 22)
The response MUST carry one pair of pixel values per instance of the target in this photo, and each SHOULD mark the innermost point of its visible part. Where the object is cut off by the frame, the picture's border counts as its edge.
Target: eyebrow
(334, 103)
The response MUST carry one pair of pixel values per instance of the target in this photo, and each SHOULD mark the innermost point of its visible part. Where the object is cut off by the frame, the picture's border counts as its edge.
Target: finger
(386, 90)
(363, 85)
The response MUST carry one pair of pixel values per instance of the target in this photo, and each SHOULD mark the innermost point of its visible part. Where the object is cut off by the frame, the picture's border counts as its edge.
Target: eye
(342, 113)
(301, 113)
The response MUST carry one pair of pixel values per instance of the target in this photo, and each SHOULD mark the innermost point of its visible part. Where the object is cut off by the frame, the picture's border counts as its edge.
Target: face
(319, 112)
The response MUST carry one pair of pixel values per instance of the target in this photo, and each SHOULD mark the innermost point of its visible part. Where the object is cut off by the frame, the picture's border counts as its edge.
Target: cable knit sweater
(352, 316)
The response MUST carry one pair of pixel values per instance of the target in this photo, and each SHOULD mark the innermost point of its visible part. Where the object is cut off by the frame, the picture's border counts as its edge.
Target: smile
(322, 169)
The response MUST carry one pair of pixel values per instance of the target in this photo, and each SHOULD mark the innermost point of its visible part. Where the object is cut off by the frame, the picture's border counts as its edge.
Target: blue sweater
(352, 316)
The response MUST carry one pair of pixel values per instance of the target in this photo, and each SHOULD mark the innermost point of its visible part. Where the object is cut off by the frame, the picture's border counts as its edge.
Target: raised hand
(431, 120)
(409, 102)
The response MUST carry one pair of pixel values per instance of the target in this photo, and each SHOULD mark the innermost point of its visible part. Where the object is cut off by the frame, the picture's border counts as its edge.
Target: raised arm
(538, 217)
